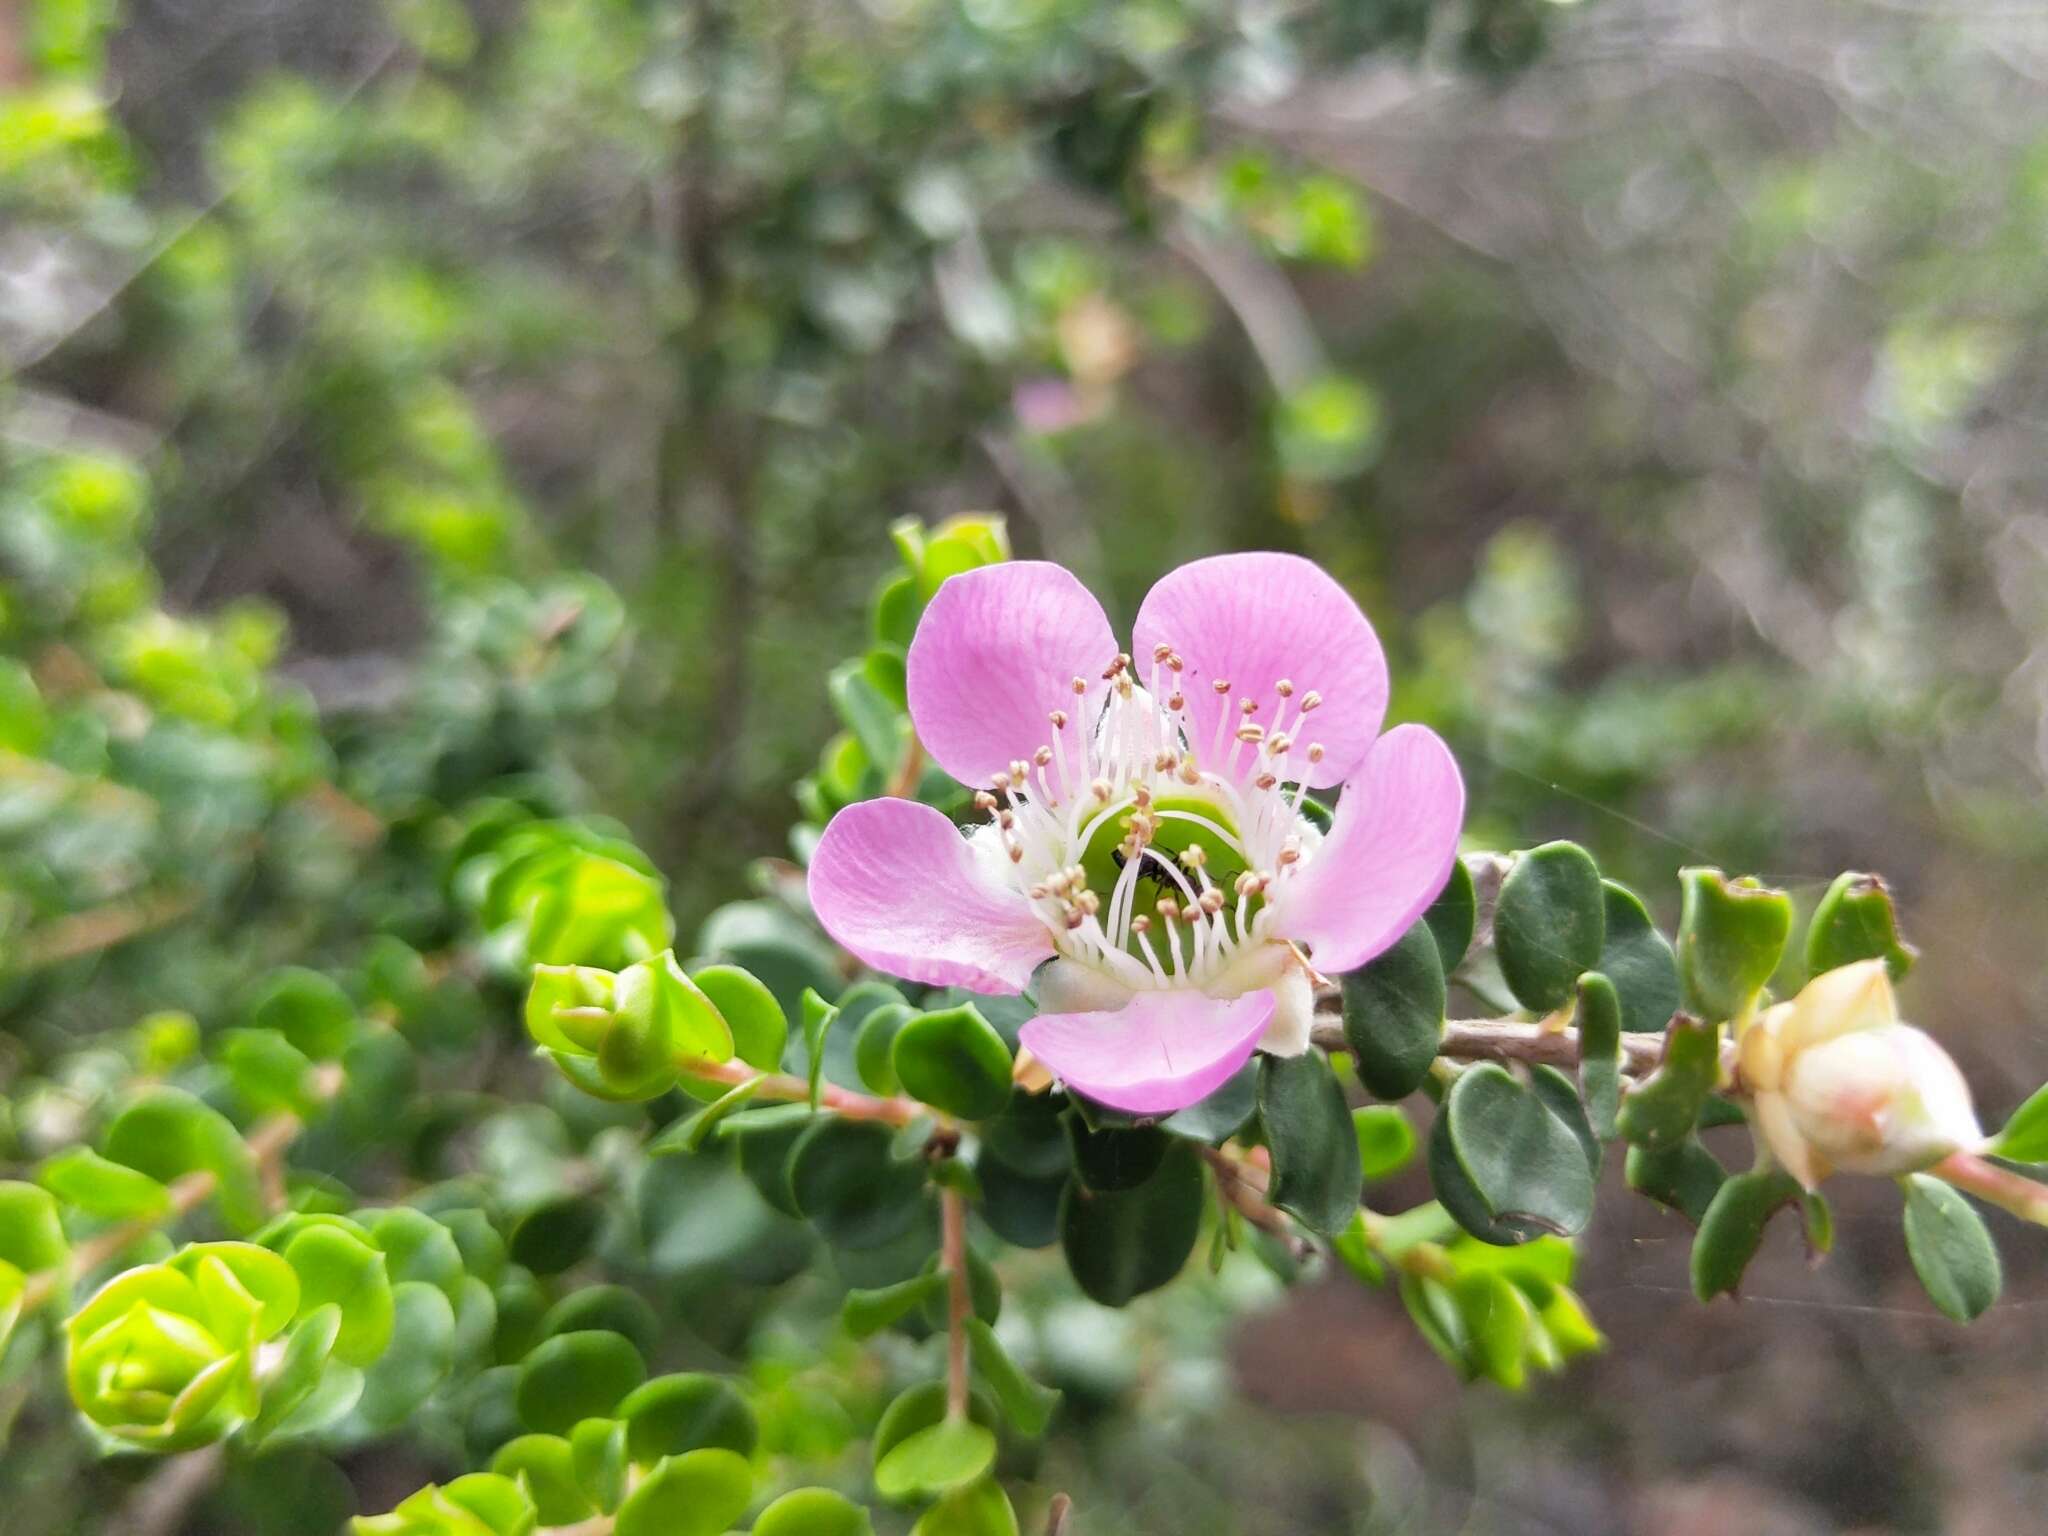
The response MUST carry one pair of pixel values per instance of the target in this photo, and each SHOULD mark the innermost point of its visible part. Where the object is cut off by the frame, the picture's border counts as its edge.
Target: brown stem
(159, 1506)
(88, 932)
(959, 1301)
(1058, 1515)
(782, 1085)
(904, 784)
(1246, 1192)
(1516, 1040)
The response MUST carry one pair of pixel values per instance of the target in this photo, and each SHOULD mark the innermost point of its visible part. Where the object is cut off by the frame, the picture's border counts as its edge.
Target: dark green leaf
(1504, 1164)
(1222, 1114)
(1731, 936)
(1664, 1107)
(1685, 1176)
(557, 1233)
(1638, 960)
(1116, 1157)
(1599, 1021)
(1453, 916)
(1316, 1173)
(1394, 1015)
(1733, 1226)
(1550, 924)
(846, 1180)
(1120, 1244)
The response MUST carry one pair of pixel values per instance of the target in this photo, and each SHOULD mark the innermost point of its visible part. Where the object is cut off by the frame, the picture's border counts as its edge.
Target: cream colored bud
(1840, 1083)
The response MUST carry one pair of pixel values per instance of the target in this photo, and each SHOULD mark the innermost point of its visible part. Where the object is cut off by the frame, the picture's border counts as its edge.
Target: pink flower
(1144, 824)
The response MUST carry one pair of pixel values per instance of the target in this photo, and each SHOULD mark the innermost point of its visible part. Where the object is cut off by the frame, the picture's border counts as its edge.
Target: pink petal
(1160, 1052)
(1254, 620)
(1387, 856)
(996, 652)
(896, 884)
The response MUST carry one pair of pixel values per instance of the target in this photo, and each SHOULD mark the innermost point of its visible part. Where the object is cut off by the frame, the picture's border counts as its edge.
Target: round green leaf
(1120, 1244)
(576, 1376)
(919, 1408)
(759, 1027)
(166, 1133)
(949, 1454)
(1386, 1140)
(813, 1512)
(954, 1061)
(1394, 1014)
(418, 1357)
(1639, 961)
(979, 1509)
(1018, 1207)
(310, 1010)
(607, 1309)
(874, 1046)
(546, 1468)
(699, 1493)
(31, 1232)
(1951, 1251)
(687, 1412)
(847, 1181)
(1030, 1135)
(80, 1177)
(557, 1233)
(335, 1266)
(597, 1450)
(1550, 924)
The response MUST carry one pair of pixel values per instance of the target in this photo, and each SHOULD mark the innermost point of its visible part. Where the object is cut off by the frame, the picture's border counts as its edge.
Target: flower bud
(624, 1036)
(1840, 1083)
(164, 1356)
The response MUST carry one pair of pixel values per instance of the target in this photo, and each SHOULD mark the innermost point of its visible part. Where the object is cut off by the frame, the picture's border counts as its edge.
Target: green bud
(164, 1357)
(626, 1036)
(961, 543)
(482, 1504)
(1731, 936)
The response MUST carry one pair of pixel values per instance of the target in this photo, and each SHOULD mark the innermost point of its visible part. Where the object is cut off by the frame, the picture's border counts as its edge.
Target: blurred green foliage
(430, 422)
